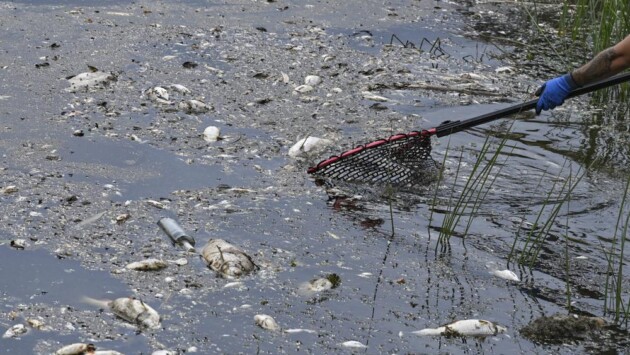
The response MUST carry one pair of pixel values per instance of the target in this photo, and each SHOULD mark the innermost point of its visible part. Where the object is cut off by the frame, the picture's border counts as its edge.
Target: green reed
(598, 24)
(613, 288)
(474, 192)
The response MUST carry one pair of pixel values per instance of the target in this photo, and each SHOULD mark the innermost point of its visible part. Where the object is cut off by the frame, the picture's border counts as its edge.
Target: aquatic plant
(600, 24)
(474, 192)
(613, 288)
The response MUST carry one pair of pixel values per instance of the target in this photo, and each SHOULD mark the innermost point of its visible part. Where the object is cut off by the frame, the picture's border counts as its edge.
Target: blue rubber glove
(553, 92)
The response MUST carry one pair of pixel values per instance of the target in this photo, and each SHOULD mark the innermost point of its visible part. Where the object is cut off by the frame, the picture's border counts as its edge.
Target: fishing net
(400, 160)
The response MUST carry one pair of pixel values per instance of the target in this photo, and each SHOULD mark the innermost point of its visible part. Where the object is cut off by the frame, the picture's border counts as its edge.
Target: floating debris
(318, 285)
(313, 145)
(177, 234)
(76, 349)
(15, 331)
(211, 134)
(312, 80)
(373, 97)
(131, 310)
(180, 262)
(463, 328)
(564, 328)
(354, 344)
(194, 106)
(38, 324)
(90, 80)
(226, 259)
(266, 322)
(156, 204)
(147, 265)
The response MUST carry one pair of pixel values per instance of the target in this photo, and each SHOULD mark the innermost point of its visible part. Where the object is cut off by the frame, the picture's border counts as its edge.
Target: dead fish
(180, 89)
(194, 106)
(211, 134)
(226, 259)
(314, 286)
(159, 95)
(313, 145)
(506, 275)
(147, 265)
(353, 344)
(312, 80)
(15, 331)
(9, 189)
(303, 89)
(19, 244)
(462, 328)
(76, 349)
(300, 330)
(131, 310)
(266, 322)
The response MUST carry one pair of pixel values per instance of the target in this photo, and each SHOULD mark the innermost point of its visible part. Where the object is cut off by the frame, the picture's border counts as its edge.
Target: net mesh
(403, 159)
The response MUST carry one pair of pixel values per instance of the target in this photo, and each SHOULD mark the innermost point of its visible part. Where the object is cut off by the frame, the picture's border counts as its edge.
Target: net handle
(456, 126)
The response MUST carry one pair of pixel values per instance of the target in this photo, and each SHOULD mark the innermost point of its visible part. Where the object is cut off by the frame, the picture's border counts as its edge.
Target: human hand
(553, 92)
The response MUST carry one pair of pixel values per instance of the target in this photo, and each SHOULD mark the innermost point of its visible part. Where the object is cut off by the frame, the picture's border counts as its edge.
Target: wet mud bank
(105, 130)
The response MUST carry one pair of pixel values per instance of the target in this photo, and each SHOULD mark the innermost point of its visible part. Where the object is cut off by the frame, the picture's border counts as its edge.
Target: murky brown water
(81, 159)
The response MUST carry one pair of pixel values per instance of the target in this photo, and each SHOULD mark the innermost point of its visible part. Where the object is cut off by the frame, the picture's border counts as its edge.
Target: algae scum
(103, 117)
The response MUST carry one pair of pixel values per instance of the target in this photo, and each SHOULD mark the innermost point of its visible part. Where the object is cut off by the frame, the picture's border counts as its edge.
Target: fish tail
(95, 302)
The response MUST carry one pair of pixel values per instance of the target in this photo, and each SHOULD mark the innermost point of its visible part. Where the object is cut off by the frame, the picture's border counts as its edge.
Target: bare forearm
(607, 63)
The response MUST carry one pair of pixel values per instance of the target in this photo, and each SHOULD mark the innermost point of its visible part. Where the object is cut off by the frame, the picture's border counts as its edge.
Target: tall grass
(613, 288)
(484, 173)
(600, 24)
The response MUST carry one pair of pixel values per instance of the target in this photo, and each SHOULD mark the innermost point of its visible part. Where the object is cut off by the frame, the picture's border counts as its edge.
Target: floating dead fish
(38, 324)
(180, 89)
(194, 106)
(302, 89)
(373, 97)
(9, 189)
(505, 70)
(266, 322)
(15, 331)
(506, 275)
(122, 218)
(19, 244)
(90, 80)
(353, 344)
(300, 330)
(312, 80)
(462, 328)
(147, 265)
(211, 134)
(131, 310)
(313, 145)
(159, 95)
(226, 259)
(76, 349)
(314, 286)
